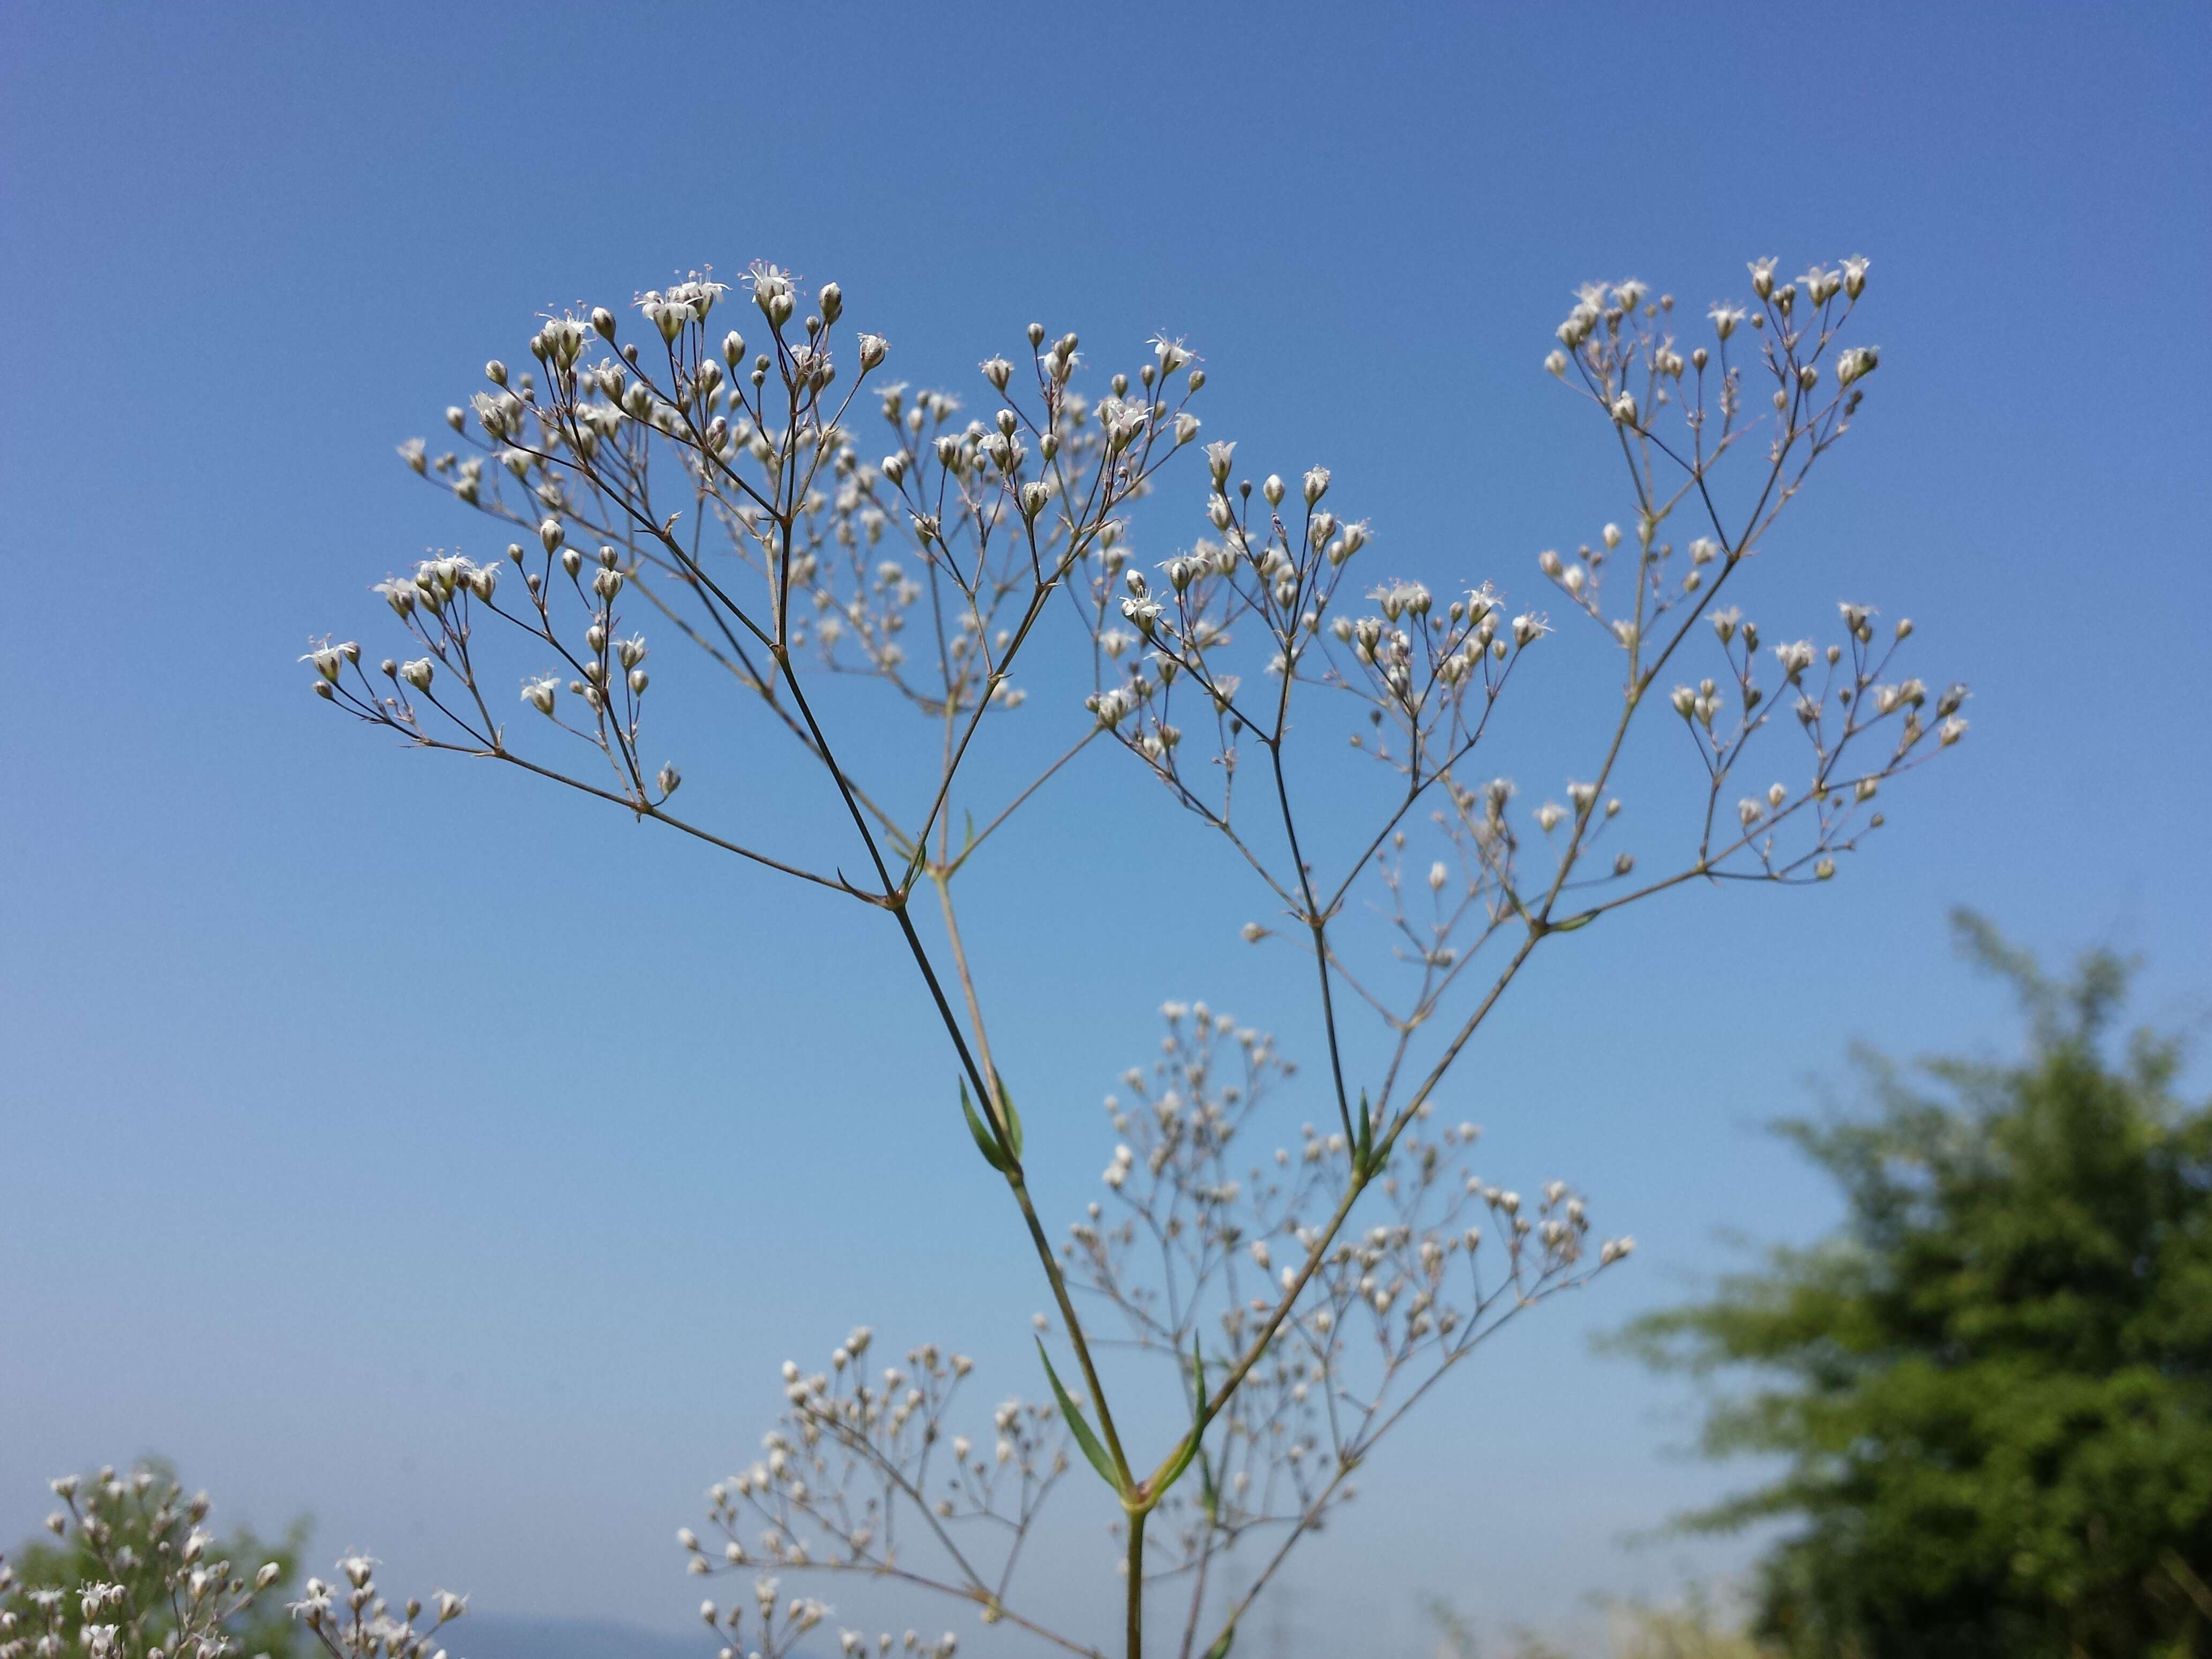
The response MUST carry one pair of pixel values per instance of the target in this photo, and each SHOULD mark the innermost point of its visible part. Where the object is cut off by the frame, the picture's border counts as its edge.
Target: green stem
(1136, 1634)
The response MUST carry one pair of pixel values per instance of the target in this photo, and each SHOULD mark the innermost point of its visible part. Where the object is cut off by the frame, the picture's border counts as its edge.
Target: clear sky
(381, 1136)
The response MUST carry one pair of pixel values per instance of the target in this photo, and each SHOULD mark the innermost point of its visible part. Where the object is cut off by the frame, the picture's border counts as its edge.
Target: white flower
(1143, 611)
(1795, 658)
(329, 659)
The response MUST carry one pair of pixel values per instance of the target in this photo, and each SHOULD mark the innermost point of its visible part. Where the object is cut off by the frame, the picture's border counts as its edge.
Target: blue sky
(383, 1137)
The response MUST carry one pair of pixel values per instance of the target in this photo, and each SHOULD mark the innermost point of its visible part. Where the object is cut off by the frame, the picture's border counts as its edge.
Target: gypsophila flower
(1319, 1281)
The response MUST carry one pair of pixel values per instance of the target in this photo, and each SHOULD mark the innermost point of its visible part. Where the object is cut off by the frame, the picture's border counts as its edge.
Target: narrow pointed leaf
(985, 1142)
(1174, 1472)
(1221, 1649)
(1191, 1447)
(1013, 1117)
(1077, 1427)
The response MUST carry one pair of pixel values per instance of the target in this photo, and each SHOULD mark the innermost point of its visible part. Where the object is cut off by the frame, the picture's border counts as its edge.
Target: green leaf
(1013, 1117)
(985, 1142)
(1573, 923)
(1220, 1648)
(1077, 1427)
(1364, 1151)
(1191, 1447)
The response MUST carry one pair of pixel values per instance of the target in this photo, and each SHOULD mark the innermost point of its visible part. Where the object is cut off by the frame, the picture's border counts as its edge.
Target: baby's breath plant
(1330, 729)
(135, 1573)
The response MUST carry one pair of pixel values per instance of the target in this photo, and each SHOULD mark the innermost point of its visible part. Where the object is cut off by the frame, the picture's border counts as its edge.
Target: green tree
(137, 1534)
(1993, 1384)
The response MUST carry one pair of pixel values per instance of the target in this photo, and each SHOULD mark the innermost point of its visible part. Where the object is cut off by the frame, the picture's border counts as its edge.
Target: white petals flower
(1144, 611)
(922, 560)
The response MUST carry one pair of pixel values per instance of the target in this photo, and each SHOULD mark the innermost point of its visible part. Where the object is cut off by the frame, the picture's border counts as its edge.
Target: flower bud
(1856, 364)
(832, 299)
(1272, 490)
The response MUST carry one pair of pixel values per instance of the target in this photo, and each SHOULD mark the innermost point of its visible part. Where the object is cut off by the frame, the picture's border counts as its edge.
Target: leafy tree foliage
(1993, 1384)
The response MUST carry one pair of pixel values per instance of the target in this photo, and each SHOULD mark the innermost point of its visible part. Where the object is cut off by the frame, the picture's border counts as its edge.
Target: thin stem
(1136, 1623)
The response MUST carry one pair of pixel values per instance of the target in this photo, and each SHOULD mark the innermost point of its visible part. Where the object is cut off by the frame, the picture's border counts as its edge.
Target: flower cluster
(1335, 729)
(136, 1574)
(863, 1475)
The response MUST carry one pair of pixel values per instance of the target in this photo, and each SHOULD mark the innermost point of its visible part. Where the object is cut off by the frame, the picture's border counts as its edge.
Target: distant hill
(503, 1636)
